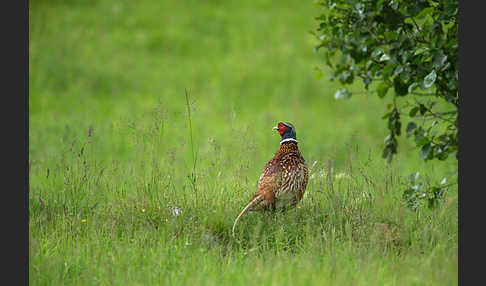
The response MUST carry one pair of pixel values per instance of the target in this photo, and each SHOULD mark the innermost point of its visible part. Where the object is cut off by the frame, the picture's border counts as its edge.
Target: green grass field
(113, 200)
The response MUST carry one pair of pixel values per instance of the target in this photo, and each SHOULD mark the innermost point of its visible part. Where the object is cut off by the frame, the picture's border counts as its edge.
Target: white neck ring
(287, 140)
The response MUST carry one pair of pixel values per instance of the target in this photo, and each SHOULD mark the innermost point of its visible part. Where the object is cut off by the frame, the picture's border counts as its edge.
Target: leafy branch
(372, 41)
(410, 48)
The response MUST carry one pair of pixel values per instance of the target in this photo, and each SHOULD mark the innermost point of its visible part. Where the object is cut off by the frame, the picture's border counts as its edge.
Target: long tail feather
(245, 210)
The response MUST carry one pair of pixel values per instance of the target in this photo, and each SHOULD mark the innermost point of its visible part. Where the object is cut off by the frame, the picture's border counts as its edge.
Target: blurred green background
(246, 65)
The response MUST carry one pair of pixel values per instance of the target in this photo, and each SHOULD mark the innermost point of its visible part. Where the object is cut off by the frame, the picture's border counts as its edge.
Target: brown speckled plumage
(284, 178)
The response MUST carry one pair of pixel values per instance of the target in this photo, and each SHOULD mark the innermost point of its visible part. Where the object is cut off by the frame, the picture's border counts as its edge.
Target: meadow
(125, 188)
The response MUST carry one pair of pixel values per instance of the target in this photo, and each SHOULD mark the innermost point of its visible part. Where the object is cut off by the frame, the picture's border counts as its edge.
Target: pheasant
(284, 178)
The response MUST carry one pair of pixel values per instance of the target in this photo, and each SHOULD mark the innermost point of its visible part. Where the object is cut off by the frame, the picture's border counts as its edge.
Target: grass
(113, 196)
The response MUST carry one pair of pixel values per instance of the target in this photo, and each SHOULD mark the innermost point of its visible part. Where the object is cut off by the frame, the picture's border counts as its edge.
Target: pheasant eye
(281, 128)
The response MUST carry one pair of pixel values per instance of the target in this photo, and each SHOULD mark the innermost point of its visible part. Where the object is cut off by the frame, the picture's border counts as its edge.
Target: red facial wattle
(281, 128)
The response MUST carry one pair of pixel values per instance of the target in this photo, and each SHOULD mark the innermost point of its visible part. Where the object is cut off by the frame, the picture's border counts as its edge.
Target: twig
(449, 185)
(438, 115)
(93, 207)
(418, 29)
(423, 94)
(41, 202)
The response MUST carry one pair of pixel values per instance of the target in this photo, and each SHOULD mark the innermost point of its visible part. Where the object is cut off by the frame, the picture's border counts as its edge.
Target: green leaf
(382, 89)
(416, 176)
(420, 139)
(414, 179)
(425, 12)
(425, 151)
(401, 88)
(420, 50)
(398, 70)
(439, 59)
(387, 70)
(413, 111)
(422, 109)
(410, 127)
(384, 57)
(412, 87)
(391, 35)
(342, 93)
(430, 79)
(405, 76)
(447, 65)
(386, 115)
(376, 53)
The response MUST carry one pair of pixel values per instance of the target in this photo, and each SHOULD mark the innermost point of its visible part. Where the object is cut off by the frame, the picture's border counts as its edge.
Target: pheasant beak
(275, 128)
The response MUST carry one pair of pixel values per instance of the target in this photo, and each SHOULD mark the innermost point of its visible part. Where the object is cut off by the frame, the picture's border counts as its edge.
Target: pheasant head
(287, 131)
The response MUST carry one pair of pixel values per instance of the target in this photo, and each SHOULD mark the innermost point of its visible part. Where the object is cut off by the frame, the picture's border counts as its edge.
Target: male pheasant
(284, 178)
